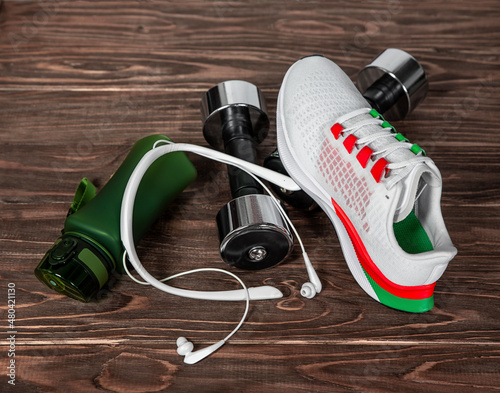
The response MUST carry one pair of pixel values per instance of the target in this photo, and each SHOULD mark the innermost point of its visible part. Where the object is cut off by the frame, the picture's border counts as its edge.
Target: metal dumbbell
(394, 84)
(252, 232)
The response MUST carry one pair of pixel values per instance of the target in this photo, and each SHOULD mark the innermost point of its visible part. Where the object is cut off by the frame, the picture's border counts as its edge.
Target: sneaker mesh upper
(317, 92)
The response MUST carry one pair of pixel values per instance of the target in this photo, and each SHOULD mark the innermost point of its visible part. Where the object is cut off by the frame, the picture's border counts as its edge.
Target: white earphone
(185, 348)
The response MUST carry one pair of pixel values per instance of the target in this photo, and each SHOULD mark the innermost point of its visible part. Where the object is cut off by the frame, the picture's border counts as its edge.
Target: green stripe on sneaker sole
(399, 303)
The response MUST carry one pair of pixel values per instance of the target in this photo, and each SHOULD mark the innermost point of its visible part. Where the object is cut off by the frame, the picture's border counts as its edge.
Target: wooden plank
(168, 45)
(80, 82)
(74, 136)
(343, 312)
(185, 237)
(267, 368)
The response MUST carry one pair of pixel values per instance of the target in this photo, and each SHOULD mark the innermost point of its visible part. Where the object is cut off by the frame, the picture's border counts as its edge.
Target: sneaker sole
(406, 298)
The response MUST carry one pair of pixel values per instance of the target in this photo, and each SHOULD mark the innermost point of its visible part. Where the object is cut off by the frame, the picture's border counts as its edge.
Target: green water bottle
(80, 262)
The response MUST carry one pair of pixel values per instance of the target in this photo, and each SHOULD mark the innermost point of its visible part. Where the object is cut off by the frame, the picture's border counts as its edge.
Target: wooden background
(80, 82)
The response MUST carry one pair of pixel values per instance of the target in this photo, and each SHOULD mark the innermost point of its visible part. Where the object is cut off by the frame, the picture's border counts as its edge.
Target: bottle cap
(74, 267)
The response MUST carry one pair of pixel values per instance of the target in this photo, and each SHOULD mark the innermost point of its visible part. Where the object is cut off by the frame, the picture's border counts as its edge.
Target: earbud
(310, 289)
(185, 348)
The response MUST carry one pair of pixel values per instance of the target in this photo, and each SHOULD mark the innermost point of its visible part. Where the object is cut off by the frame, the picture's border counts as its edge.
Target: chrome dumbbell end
(394, 83)
(253, 235)
(233, 96)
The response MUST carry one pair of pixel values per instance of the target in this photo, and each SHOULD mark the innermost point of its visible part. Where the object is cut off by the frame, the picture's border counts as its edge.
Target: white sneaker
(381, 193)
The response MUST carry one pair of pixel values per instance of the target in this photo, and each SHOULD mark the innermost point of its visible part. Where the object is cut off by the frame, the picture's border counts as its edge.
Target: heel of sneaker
(415, 299)
(400, 302)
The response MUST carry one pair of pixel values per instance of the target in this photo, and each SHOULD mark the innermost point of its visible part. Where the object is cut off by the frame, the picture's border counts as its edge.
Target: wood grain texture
(310, 368)
(80, 82)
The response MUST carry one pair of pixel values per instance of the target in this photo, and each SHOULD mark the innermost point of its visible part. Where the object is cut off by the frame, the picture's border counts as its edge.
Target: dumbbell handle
(238, 140)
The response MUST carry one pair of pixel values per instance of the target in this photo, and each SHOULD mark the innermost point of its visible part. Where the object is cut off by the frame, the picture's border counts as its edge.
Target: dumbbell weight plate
(233, 93)
(408, 74)
(252, 233)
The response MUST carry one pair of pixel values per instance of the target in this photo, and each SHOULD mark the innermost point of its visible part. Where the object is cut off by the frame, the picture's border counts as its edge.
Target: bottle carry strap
(84, 193)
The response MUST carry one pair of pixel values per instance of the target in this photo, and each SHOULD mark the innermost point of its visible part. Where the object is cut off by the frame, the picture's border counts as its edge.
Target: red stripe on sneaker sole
(408, 292)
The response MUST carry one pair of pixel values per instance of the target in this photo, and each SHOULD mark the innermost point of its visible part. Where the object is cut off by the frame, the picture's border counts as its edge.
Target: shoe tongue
(413, 182)
(412, 186)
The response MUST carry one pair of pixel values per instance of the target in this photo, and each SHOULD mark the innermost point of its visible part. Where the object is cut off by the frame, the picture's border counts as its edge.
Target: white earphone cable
(265, 292)
(207, 269)
(309, 289)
